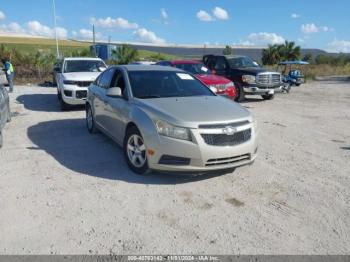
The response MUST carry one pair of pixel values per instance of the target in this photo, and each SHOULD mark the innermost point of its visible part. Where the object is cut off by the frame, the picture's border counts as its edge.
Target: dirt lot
(64, 191)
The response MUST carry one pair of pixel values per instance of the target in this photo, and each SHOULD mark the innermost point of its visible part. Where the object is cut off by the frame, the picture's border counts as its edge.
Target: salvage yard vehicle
(73, 78)
(220, 85)
(5, 112)
(292, 75)
(248, 76)
(167, 120)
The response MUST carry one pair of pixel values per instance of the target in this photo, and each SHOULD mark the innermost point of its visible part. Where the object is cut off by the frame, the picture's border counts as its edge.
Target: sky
(320, 24)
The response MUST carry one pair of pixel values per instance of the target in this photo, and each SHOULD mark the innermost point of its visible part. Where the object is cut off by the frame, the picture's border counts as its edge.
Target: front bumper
(74, 95)
(202, 158)
(259, 90)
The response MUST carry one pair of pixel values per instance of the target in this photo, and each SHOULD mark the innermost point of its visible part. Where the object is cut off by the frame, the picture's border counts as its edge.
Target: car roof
(176, 62)
(149, 68)
(293, 63)
(83, 58)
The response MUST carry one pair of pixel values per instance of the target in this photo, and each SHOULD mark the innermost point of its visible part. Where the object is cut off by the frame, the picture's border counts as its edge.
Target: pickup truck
(248, 76)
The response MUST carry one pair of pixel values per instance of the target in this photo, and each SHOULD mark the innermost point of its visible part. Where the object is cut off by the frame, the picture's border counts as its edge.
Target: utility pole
(94, 39)
(55, 23)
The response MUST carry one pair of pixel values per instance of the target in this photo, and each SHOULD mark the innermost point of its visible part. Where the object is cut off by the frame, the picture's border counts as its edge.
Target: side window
(210, 62)
(220, 64)
(119, 81)
(105, 78)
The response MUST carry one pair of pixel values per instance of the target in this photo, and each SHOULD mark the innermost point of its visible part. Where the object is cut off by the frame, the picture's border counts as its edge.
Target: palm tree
(125, 54)
(271, 55)
(291, 51)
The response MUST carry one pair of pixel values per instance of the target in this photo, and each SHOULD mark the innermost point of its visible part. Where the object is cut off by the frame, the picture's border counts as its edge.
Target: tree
(271, 55)
(227, 50)
(308, 58)
(291, 51)
(125, 54)
(276, 53)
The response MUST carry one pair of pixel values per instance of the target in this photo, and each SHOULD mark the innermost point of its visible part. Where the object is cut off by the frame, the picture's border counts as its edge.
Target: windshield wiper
(149, 96)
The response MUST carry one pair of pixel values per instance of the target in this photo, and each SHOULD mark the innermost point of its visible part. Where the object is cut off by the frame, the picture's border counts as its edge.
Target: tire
(135, 152)
(268, 97)
(240, 93)
(59, 96)
(90, 120)
(64, 105)
(1, 139)
(54, 83)
(297, 84)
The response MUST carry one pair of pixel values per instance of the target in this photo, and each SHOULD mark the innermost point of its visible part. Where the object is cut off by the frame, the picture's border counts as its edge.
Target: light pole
(55, 23)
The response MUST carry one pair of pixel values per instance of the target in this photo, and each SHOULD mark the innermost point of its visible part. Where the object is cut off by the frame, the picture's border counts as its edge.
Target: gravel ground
(64, 191)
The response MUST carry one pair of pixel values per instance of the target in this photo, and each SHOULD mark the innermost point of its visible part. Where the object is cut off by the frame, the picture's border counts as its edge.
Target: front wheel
(135, 151)
(267, 97)
(240, 93)
(90, 120)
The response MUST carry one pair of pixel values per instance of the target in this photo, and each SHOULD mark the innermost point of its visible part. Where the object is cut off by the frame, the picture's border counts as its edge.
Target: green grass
(32, 45)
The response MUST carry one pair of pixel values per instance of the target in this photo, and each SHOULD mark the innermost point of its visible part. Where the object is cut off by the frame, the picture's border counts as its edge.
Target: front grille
(214, 126)
(227, 140)
(227, 160)
(83, 83)
(268, 79)
(81, 94)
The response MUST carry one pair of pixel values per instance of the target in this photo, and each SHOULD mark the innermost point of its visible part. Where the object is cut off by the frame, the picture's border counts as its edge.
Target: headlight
(68, 82)
(213, 88)
(230, 84)
(166, 129)
(249, 79)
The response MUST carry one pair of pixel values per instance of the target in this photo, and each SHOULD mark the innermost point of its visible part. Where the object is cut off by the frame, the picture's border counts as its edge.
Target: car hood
(81, 76)
(193, 111)
(251, 70)
(213, 79)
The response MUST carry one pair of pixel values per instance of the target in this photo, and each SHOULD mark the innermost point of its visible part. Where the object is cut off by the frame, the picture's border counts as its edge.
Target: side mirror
(101, 68)
(114, 92)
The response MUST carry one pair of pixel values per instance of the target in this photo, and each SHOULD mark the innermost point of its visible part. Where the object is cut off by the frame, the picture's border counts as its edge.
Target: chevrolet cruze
(167, 120)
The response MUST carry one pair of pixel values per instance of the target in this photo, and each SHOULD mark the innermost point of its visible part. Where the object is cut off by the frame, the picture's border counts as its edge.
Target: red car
(221, 85)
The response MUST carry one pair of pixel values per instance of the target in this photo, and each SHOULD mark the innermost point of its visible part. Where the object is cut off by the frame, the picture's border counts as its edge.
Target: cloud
(113, 24)
(339, 46)
(295, 16)
(12, 28)
(37, 29)
(2, 15)
(264, 38)
(34, 28)
(164, 14)
(220, 13)
(204, 16)
(143, 35)
(312, 28)
(85, 34)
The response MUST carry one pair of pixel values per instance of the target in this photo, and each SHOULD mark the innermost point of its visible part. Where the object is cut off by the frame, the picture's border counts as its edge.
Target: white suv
(74, 76)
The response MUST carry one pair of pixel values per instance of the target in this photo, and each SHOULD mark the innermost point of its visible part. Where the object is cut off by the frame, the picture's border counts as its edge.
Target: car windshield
(197, 69)
(83, 66)
(242, 62)
(159, 84)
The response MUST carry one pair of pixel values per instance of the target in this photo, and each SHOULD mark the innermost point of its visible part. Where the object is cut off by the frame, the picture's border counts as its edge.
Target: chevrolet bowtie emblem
(229, 130)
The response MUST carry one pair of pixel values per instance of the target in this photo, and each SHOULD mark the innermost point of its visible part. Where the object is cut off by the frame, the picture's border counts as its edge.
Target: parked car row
(173, 116)
(5, 112)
